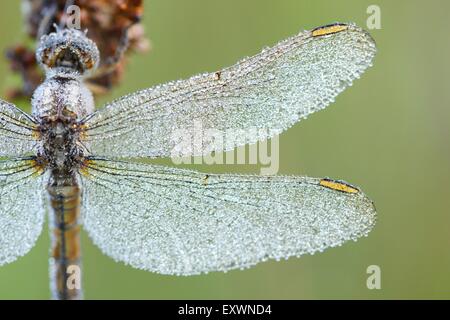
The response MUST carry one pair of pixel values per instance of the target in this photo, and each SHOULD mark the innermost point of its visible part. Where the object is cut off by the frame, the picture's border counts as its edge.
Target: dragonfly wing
(21, 208)
(175, 221)
(16, 131)
(272, 91)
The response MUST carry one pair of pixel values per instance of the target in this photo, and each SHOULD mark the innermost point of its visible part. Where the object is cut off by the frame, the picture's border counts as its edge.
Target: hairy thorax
(62, 92)
(59, 104)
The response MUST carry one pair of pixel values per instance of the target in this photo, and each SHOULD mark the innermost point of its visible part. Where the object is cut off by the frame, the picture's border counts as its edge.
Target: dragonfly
(83, 166)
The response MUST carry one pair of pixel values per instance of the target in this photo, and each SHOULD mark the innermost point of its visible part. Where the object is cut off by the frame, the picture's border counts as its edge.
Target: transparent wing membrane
(21, 208)
(175, 221)
(272, 90)
(16, 131)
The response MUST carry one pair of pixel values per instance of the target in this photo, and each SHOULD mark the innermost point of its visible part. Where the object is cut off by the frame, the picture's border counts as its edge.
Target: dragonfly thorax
(62, 95)
(60, 149)
(59, 104)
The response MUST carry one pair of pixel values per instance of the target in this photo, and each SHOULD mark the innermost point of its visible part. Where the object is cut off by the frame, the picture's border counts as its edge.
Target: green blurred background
(389, 134)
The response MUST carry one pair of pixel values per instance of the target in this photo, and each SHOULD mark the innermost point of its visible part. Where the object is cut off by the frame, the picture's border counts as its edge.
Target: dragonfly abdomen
(65, 260)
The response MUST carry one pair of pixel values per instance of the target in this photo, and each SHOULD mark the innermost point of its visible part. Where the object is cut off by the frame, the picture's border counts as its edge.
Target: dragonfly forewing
(272, 90)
